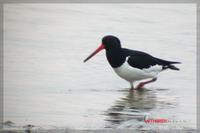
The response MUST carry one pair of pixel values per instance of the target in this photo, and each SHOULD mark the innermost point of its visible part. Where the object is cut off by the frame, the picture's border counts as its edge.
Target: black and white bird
(132, 65)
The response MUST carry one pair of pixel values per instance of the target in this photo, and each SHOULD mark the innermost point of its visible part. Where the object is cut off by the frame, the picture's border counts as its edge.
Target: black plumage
(143, 60)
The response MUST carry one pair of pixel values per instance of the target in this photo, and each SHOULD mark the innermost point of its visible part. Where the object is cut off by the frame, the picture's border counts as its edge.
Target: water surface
(46, 83)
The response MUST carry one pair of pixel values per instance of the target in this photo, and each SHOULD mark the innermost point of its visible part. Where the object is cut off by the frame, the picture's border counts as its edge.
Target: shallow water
(46, 83)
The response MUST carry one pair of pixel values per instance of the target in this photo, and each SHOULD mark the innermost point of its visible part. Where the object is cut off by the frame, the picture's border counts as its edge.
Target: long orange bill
(95, 52)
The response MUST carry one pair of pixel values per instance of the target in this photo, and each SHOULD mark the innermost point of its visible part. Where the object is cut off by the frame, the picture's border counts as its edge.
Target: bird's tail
(173, 67)
(170, 66)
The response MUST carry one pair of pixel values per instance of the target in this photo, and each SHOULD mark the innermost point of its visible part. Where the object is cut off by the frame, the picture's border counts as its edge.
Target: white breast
(132, 74)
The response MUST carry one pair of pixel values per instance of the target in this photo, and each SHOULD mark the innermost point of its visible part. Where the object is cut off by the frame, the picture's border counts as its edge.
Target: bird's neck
(115, 57)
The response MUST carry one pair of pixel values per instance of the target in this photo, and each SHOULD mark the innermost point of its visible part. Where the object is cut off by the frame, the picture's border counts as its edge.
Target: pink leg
(132, 86)
(141, 85)
(131, 89)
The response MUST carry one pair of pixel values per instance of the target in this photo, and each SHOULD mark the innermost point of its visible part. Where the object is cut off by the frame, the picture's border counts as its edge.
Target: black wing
(142, 60)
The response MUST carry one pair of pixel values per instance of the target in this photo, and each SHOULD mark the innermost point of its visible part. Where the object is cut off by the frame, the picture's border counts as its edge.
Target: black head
(111, 42)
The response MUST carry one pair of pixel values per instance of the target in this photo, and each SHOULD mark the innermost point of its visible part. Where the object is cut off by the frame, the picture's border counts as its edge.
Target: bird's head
(109, 42)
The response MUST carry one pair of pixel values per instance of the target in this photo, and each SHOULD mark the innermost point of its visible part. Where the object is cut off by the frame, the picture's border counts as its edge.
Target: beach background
(47, 85)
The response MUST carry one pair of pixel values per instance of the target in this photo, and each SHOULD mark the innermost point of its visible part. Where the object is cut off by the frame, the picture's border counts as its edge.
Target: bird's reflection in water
(134, 106)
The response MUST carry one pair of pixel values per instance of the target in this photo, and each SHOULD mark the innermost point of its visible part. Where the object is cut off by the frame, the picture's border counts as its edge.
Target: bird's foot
(141, 85)
(153, 80)
(132, 89)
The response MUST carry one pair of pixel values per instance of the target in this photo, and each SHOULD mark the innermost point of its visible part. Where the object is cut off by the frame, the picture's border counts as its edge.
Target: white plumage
(132, 74)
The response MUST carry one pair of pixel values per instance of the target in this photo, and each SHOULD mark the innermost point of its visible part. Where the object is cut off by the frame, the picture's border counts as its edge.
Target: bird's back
(143, 60)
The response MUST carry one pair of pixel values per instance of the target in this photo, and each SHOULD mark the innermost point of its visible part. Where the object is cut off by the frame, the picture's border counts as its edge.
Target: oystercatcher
(132, 65)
